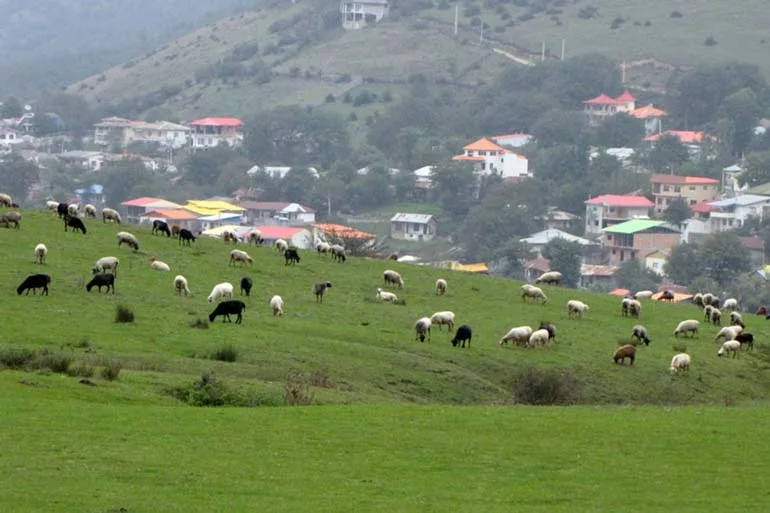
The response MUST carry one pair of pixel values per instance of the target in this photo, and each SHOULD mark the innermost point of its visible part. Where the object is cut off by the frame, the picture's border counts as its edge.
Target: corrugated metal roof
(411, 218)
(742, 200)
(635, 225)
(545, 236)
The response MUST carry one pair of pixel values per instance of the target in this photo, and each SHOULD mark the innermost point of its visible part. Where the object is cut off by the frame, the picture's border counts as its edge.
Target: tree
(620, 130)
(17, 176)
(683, 265)
(757, 169)
(668, 153)
(565, 258)
(677, 212)
(454, 186)
(723, 257)
(559, 127)
(204, 167)
(742, 111)
(511, 257)
(11, 108)
(124, 179)
(634, 276)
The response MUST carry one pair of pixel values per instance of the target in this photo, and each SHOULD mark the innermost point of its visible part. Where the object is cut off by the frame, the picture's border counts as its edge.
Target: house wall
(413, 231)
(599, 217)
(693, 194)
(726, 221)
(302, 239)
(655, 264)
(624, 247)
(693, 228)
(354, 14)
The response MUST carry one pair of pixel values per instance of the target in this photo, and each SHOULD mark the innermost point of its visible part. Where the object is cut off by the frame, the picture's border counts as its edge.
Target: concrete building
(490, 158)
(731, 213)
(610, 209)
(694, 189)
(415, 227)
(216, 131)
(633, 240)
(602, 107)
(278, 213)
(357, 14)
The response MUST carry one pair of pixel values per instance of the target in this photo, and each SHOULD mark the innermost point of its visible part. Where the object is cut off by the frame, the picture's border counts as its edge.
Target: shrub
(226, 353)
(617, 22)
(676, 14)
(201, 324)
(296, 389)
(124, 314)
(710, 41)
(16, 358)
(111, 370)
(81, 370)
(473, 10)
(209, 390)
(588, 12)
(329, 98)
(55, 362)
(545, 387)
(320, 378)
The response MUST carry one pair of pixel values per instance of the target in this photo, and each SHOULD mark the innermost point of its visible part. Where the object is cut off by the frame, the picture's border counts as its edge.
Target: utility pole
(457, 13)
(481, 34)
(563, 46)
(542, 52)
(623, 72)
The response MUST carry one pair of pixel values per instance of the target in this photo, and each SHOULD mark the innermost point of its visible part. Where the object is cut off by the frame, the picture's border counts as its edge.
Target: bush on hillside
(123, 314)
(296, 389)
(226, 353)
(16, 358)
(546, 387)
(111, 370)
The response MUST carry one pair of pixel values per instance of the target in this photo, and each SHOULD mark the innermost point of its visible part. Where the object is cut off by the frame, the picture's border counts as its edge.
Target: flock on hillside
(105, 272)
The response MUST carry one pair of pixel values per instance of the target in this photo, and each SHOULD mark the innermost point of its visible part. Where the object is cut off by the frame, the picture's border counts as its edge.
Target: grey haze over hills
(45, 44)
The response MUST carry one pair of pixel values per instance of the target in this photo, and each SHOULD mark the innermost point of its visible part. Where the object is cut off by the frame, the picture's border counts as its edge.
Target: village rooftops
(545, 236)
(172, 213)
(603, 99)
(217, 121)
(276, 206)
(684, 136)
(411, 218)
(739, 201)
(638, 225)
(619, 200)
(343, 231)
(149, 201)
(682, 180)
(648, 111)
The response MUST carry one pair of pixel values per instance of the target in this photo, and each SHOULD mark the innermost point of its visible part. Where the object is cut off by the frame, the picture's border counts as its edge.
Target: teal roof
(635, 225)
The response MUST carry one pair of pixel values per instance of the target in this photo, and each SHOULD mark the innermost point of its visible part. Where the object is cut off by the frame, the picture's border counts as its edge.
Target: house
(693, 140)
(601, 107)
(300, 237)
(490, 158)
(172, 216)
(597, 276)
(637, 238)
(219, 219)
(91, 160)
(624, 155)
(559, 219)
(731, 213)
(10, 138)
(92, 194)
(278, 171)
(515, 140)
(731, 180)
(652, 118)
(536, 241)
(534, 268)
(278, 212)
(121, 132)
(656, 260)
(138, 207)
(216, 131)
(610, 209)
(699, 225)
(357, 14)
(694, 189)
(421, 227)
(208, 208)
(756, 247)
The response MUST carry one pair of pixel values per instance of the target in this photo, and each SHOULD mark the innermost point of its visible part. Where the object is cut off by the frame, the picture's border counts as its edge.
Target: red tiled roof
(539, 264)
(218, 122)
(344, 231)
(648, 111)
(597, 270)
(754, 243)
(140, 202)
(620, 292)
(625, 97)
(272, 232)
(618, 200)
(684, 136)
(467, 157)
(602, 98)
(483, 144)
(682, 180)
(703, 208)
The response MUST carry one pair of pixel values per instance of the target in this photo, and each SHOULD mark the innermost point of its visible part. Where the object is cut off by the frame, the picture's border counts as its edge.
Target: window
(665, 188)
(693, 202)
(677, 188)
(692, 187)
(705, 188)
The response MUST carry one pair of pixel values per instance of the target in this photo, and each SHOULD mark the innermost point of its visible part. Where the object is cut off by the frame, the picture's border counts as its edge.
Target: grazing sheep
(292, 256)
(246, 284)
(129, 239)
(635, 308)
(550, 328)
(441, 318)
(180, 285)
(175, 231)
(707, 313)
(519, 335)
(62, 209)
(75, 223)
(385, 296)
(110, 214)
(680, 363)
(159, 226)
(157, 265)
(716, 317)
(728, 332)
(667, 295)
(421, 328)
(730, 305)
(221, 290)
(623, 352)
(624, 306)
(688, 326)
(186, 235)
(102, 280)
(52, 205)
(698, 300)
(575, 309)
(227, 308)
(255, 237)
(11, 217)
(276, 304)
(338, 253)
(463, 333)
(639, 332)
(5, 200)
(73, 210)
(90, 211)
(538, 338)
(736, 318)
(746, 338)
(323, 247)
(393, 277)
(34, 282)
(319, 289)
(535, 293)
(441, 287)
(762, 310)
(715, 302)
(549, 278)
(708, 297)
(105, 263)
(40, 253)
(281, 246)
(237, 255)
(643, 294)
(393, 256)
(731, 346)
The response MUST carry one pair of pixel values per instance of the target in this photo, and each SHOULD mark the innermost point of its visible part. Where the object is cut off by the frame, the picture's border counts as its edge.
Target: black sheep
(246, 284)
(102, 280)
(462, 334)
(292, 256)
(746, 339)
(186, 235)
(62, 209)
(75, 223)
(227, 308)
(160, 226)
(15, 205)
(319, 289)
(34, 282)
(550, 328)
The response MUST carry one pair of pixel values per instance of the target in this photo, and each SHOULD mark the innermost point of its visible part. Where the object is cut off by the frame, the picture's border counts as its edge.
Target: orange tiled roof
(682, 180)
(344, 231)
(648, 111)
(171, 213)
(483, 144)
(467, 157)
(685, 136)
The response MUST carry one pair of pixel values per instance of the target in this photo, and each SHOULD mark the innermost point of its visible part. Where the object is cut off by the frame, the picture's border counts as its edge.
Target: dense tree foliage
(634, 276)
(565, 257)
(720, 257)
(17, 176)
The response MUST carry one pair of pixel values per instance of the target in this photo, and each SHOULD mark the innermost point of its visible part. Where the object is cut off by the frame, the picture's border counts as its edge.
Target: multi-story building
(490, 158)
(360, 13)
(731, 213)
(610, 209)
(213, 132)
(693, 189)
(600, 108)
(121, 132)
(634, 240)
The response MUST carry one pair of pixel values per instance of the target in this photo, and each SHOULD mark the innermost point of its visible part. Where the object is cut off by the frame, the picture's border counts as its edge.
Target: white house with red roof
(138, 207)
(610, 209)
(652, 117)
(215, 131)
(489, 158)
(122, 132)
(693, 189)
(601, 107)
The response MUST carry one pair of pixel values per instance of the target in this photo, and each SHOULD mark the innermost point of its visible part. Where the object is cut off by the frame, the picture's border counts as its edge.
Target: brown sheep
(623, 352)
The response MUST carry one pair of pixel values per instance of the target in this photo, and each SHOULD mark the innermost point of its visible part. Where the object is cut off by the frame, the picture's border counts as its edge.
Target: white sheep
(421, 328)
(238, 255)
(90, 210)
(393, 277)
(441, 287)
(276, 304)
(105, 263)
(180, 285)
(643, 294)
(323, 247)
(157, 265)
(688, 326)
(538, 338)
(731, 346)
(73, 210)
(110, 214)
(680, 363)
(576, 309)
(52, 205)
(736, 318)
(221, 290)
(129, 239)
(281, 245)
(519, 335)
(40, 253)
(730, 305)
(535, 293)
(386, 296)
(728, 332)
(440, 318)
(635, 308)
(550, 278)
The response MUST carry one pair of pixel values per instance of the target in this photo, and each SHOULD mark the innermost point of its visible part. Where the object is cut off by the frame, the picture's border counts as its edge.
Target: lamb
(292, 256)
(110, 214)
(237, 255)
(680, 363)
(34, 282)
(707, 313)
(128, 239)
(75, 223)
(105, 263)
(639, 332)
(698, 300)
(221, 290)
(319, 289)
(5, 200)
(730, 305)
(643, 294)
(624, 306)
(519, 335)
(538, 338)
(746, 338)
(40, 253)
(550, 328)
(575, 309)
(441, 287)
(688, 326)
(535, 293)
(186, 235)
(728, 332)
(180, 285)
(731, 346)
(276, 304)
(227, 308)
(102, 280)
(441, 318)
(422, 327)
(255, 237)
(623, 352)
(90, 210)
(322, 247)
(463, 333)
(549, 278)
(338, 253)
(175, 231)
(246, 284)
(716, 317)
(157, 265)
(281, 245)
(159, 226)
(393, 277)
(386, 296)
(11, 217)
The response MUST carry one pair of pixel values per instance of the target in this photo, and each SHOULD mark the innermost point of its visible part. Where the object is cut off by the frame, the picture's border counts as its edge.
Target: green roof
(634, 226)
